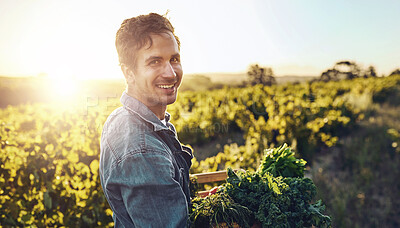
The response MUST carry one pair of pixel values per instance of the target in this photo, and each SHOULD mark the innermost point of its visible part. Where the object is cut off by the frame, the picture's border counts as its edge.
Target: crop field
(348, 132)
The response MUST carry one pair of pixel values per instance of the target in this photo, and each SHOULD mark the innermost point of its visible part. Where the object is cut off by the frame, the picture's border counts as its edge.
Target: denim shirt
(144, 169)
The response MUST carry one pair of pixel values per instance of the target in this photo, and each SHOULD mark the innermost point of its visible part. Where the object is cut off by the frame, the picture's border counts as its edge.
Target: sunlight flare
(64, 88)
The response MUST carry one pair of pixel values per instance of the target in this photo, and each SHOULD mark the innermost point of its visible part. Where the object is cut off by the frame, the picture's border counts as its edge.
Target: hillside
(21, 90)
(238, 78)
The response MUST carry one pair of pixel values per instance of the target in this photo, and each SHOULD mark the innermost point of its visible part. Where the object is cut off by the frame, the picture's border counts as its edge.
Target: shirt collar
(144, 112)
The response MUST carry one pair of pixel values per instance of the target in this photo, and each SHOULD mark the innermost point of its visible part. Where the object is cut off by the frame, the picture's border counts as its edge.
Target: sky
(77, 38)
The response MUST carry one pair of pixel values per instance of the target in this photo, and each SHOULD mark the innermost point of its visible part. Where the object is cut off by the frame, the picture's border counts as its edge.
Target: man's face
(157, 74)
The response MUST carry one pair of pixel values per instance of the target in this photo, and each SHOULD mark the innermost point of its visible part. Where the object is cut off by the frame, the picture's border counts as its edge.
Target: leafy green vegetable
(276, 195)
(277, 201)
(217, 209)
(282, 162)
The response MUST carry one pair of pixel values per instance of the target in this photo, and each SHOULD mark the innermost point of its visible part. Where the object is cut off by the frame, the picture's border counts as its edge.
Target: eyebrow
(151, 58)
(177, 55)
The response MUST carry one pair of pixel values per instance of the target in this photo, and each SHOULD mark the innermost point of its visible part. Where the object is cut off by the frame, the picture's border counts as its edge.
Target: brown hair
(135, 32)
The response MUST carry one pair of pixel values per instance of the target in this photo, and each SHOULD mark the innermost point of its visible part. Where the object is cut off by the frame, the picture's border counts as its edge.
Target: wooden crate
(209, 178)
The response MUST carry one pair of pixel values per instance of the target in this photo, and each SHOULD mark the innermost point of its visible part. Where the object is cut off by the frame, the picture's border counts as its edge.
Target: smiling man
(144, 169)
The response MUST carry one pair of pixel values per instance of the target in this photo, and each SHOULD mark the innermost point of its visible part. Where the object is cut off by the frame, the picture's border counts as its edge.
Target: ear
(128, 73)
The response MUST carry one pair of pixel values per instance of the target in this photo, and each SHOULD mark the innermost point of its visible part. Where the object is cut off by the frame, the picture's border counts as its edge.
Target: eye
(156, 61)
(174, 60)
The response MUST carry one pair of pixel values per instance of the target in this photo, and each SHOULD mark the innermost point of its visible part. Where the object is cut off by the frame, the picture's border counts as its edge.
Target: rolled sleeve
(145, 194)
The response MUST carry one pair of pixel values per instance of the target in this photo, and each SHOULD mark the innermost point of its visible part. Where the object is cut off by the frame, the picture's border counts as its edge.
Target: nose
(169, 71)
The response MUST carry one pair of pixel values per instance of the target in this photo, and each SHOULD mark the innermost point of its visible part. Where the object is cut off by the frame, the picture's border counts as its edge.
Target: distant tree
(341, 70)
(329, 75)
(397, 71)
(261, 75)
(370, 72)
(347, 70)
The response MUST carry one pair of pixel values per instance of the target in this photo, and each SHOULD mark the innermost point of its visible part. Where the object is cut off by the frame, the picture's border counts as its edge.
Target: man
(144, 170)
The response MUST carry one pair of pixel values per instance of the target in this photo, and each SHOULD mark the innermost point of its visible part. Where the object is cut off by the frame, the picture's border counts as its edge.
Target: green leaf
(47, 200)
(26, 217)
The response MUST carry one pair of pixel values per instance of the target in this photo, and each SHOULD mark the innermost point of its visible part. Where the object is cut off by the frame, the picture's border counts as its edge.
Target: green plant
(277, 201)
(217, 209)
(282, 162)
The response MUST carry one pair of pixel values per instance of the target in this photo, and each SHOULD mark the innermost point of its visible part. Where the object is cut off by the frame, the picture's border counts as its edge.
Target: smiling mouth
(166, 86)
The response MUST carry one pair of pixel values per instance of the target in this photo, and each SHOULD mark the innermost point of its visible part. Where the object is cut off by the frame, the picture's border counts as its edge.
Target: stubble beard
(154, 100)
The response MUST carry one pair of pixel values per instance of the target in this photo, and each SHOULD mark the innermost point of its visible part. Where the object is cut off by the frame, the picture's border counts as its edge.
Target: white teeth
(165, 86)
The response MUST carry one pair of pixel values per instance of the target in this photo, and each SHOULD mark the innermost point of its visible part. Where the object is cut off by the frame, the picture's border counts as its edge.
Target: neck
(158, 110)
